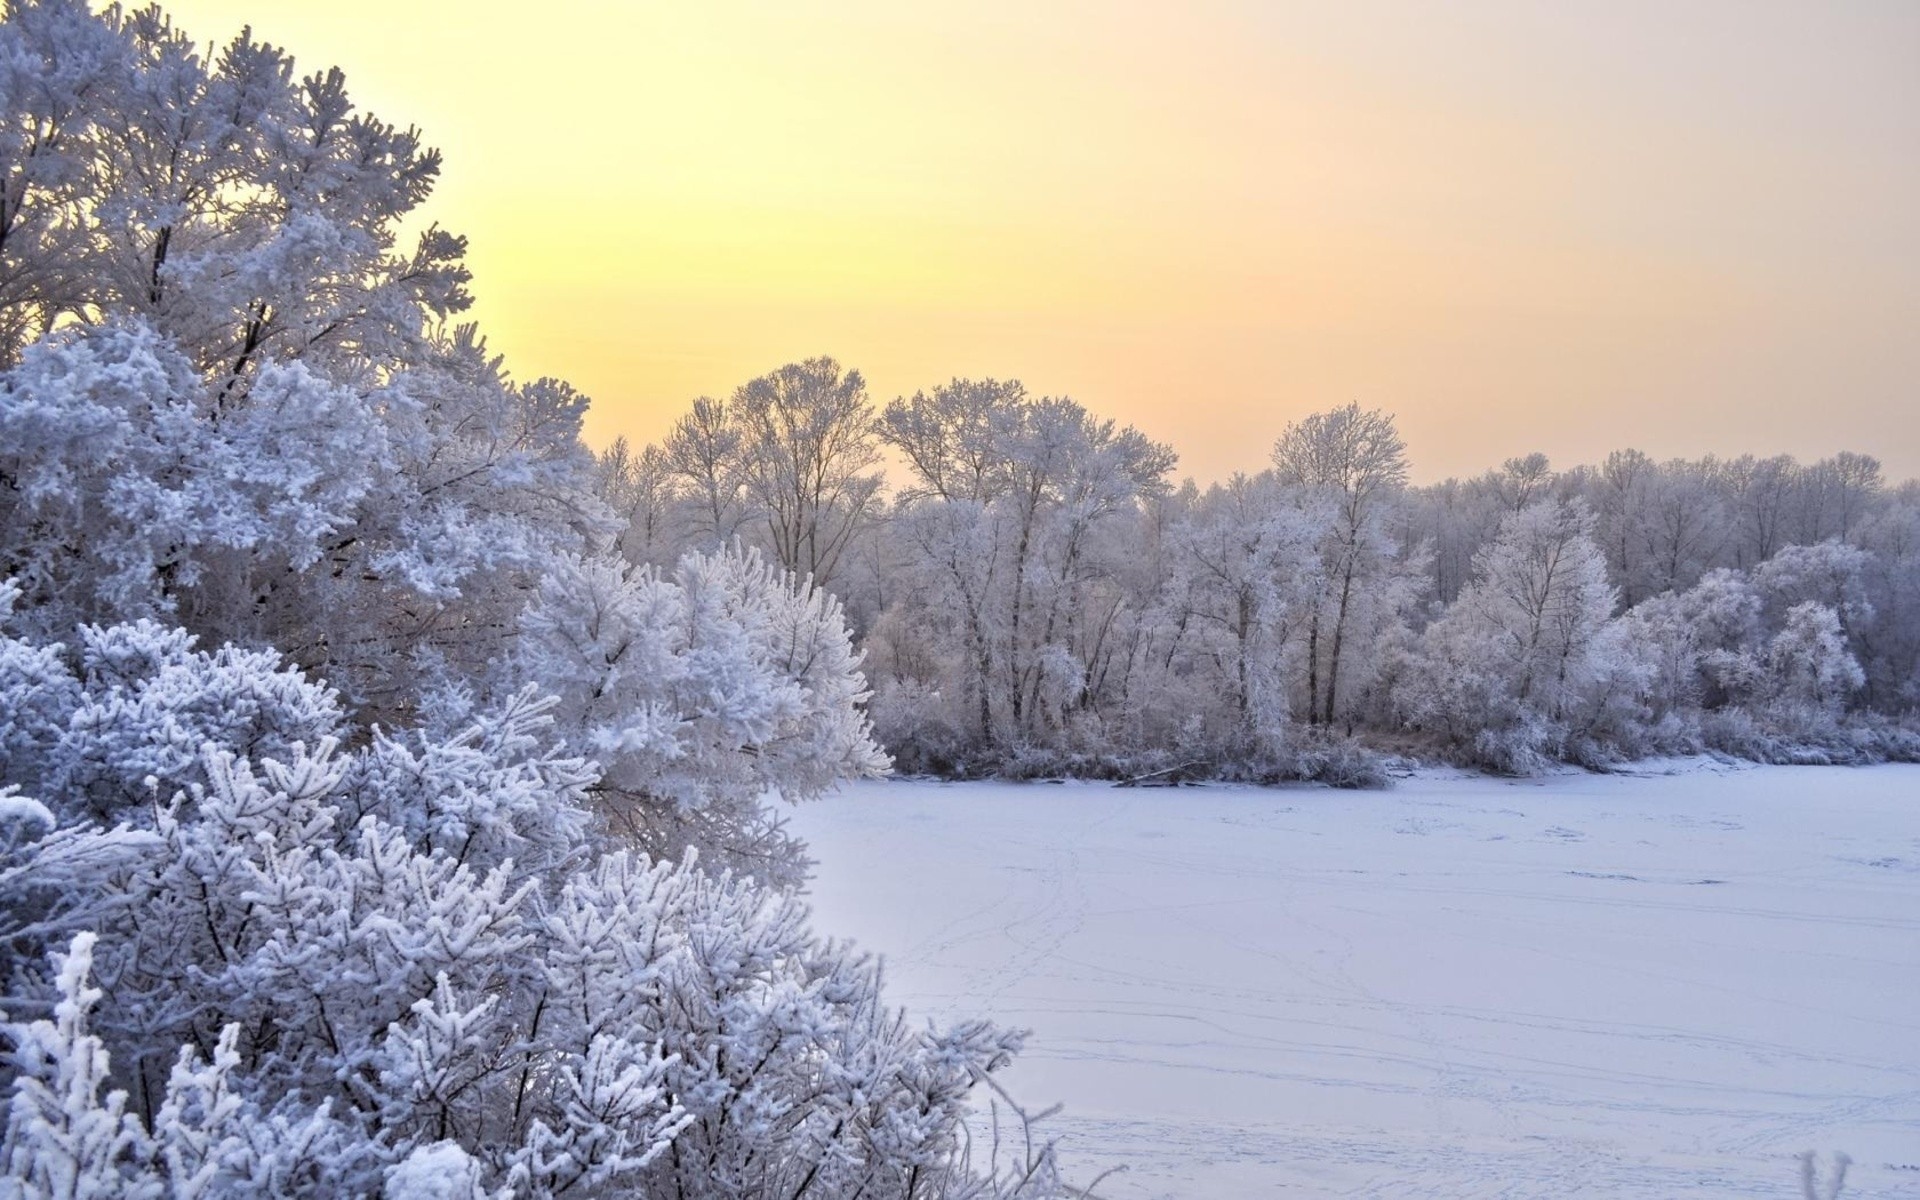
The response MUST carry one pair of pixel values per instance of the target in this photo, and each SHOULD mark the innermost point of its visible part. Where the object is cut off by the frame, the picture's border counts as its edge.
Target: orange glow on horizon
(1521, 227)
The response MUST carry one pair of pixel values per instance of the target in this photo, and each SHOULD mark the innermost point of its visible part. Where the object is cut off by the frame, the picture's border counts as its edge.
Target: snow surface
(1615, 986)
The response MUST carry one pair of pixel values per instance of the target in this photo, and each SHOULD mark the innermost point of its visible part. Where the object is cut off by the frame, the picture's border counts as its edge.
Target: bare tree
(704, 452)
(808, 444)
(1357, 459)
(953, 436)
(648, 496)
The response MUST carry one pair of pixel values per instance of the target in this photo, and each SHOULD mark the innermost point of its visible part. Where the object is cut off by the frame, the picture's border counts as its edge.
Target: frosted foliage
(806, 461)
(65, 1138)
(1690, 639)
(1237, 579)
(120, 718)
(420, 969)
(109, 435)
(1013, 532)
(1504, 672)
(441, 1171)
(46, 872)
(1808, 663)
(36, 694)
(246, 207)
(72, 1136)
(1354, 463)
(494, 788)
(132, 499)
(229, 395)
(152, 701)
(700, 691)
(716, 687)
(1732, 664)
(1829, 573)
(786, 464)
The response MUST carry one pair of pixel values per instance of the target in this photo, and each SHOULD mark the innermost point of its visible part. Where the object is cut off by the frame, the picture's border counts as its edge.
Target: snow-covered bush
(917, 724)
(1505, 673)
(71, 1134)
(699, 691)
(37, 691)
(150, 702)
(417, 962)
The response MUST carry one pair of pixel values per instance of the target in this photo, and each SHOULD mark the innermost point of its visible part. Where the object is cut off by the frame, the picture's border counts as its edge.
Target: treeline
(1036, 594)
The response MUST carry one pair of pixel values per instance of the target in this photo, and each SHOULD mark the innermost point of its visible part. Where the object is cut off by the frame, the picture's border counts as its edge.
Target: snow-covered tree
(1890, 578)
(246, 410)
(787, 463)
(1354, 462)
(1012, 533)
(648, 500)
(1503, 672)
(1694, 642)
(1808, 664)
(1250, 585)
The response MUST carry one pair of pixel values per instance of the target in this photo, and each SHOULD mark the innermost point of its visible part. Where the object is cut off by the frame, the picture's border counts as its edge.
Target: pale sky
(1686, 226)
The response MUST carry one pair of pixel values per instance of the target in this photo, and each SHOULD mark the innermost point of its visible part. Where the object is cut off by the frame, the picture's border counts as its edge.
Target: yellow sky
(1688, 227)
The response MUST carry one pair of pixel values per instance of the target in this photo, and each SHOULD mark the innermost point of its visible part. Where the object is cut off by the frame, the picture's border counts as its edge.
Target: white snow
(24, 810)
(1622, 986)
(441, 1171)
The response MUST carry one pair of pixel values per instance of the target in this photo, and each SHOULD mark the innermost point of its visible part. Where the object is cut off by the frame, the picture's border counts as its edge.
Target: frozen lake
(1621, 986)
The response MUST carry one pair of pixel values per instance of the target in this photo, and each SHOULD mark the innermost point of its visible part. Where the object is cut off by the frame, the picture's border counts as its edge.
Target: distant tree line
(1036, 595)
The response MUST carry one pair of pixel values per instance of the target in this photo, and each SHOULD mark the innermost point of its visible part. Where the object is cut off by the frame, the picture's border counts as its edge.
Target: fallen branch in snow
(1172, 776)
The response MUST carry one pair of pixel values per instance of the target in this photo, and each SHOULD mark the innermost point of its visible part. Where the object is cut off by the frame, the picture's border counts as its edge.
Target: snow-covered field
(1626, 986)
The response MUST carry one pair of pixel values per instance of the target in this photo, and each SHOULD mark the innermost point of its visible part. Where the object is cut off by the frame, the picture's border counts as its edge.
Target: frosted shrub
(701, 690)
(917, 725)
(70, 1134)
(1506, 675)
(151, 701)
(1335, 761)
(37, 691)
(420, 964)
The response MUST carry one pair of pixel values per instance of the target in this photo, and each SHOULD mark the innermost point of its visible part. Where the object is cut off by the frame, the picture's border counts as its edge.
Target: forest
(390, 784)
(1035, 595)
